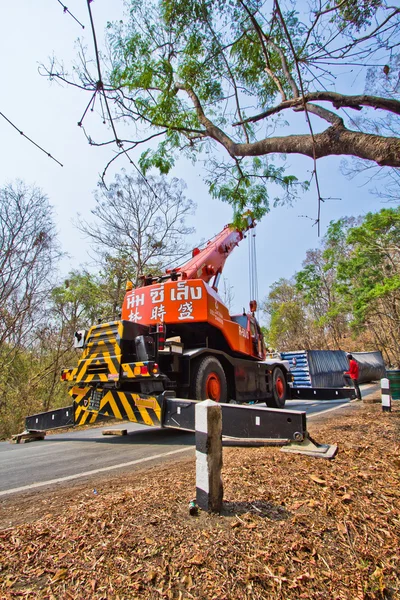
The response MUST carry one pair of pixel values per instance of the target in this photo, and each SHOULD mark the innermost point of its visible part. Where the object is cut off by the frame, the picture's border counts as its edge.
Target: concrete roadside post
(209, 488)
(386, 397)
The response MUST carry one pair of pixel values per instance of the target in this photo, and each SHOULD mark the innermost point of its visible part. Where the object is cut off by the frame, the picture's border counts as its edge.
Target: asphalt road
(83, 453)
(80, 454)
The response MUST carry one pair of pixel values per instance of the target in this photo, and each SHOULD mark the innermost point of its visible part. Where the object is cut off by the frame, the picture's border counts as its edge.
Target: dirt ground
(291, 527)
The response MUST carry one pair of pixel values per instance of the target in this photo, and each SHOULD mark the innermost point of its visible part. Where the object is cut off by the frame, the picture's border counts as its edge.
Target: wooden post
(209, 488)
(386, 397)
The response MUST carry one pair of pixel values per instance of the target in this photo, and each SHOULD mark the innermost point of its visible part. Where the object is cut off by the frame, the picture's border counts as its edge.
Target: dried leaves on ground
(292, 527)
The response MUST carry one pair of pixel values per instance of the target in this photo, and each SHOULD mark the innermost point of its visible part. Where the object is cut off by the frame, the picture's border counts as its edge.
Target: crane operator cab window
(241, 320)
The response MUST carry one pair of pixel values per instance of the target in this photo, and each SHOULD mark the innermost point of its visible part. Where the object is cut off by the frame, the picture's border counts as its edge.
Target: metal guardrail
(308, 393)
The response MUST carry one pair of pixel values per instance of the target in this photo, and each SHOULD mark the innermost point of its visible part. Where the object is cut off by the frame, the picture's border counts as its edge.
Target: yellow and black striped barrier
(135, 407)
(102, 356)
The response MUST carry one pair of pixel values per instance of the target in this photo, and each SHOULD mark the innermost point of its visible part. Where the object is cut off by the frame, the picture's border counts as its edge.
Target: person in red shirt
(351, 376)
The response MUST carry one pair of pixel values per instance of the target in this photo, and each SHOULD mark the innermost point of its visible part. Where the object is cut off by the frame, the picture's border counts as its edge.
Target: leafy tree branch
(208, 81)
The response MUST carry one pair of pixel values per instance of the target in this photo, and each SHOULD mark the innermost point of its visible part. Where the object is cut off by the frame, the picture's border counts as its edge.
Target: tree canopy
(139, 225)
(29, 254)
(133, 229)
(29, 251)
(347, 296)
(215, 81)
(369, 279)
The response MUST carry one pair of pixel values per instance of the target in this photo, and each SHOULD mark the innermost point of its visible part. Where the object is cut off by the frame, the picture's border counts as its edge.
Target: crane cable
(253, 272)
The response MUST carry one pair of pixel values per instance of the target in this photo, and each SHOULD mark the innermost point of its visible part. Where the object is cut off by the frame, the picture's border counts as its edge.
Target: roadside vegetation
(347, 295)
(39, 312)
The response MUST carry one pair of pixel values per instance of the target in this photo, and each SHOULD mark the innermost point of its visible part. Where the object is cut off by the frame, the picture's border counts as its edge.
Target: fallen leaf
(341, 527)
(317, 479)
(134, 571)
(198, 559)
(313, 503)
(296, 559)
(346, 498)
(304, 577)
(59, 576)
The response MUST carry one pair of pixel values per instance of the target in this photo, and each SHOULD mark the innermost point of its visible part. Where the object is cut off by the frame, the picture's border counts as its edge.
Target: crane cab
(248, 322)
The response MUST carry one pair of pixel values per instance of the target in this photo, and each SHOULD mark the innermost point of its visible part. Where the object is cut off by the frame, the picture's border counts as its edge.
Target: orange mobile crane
(177, 335)
(176, 344)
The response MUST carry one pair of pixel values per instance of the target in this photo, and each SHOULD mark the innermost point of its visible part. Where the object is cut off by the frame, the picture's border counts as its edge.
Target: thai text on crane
(188, 294)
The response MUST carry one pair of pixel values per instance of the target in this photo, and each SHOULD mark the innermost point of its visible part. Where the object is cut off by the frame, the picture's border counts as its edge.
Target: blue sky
(30, 32)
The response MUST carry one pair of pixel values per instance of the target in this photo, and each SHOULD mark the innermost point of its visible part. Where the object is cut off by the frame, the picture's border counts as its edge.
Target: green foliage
(349, 287)
(287, 327)
(189, 64)
(357, 13)
(317, 282)
(309, 282)
(79, 301)
(159, 159)
(335, 241)
(30, 380)
(210, 81)
(115, 272)
(370, 277)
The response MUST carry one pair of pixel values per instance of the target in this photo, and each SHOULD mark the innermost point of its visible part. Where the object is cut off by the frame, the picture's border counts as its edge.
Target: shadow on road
(167, 437)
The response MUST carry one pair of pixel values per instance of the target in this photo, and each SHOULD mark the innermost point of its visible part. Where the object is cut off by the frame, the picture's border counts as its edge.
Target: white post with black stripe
(386, 396)
(209, 488)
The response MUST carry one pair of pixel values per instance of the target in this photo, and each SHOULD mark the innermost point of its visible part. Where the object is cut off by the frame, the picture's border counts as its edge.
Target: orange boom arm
(208, 263)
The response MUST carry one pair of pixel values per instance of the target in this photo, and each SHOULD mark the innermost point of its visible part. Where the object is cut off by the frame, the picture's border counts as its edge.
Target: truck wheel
(208, 380)
(279, 389)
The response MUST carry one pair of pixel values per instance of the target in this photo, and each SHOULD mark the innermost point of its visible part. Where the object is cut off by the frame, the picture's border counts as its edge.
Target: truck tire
(279, 389)
(208, 380)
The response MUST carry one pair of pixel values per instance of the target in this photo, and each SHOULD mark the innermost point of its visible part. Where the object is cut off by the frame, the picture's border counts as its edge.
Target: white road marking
(295, 402)
(323, 412)
(94, 471)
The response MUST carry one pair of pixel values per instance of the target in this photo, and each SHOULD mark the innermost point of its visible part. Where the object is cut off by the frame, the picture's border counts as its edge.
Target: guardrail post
(386, 397)
(209, 488)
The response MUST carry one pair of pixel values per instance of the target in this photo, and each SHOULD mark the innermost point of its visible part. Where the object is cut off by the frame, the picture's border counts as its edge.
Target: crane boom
(207, 263)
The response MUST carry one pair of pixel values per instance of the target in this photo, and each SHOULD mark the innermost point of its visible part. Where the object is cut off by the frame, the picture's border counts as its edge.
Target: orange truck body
(190, 302)
(176, 335)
